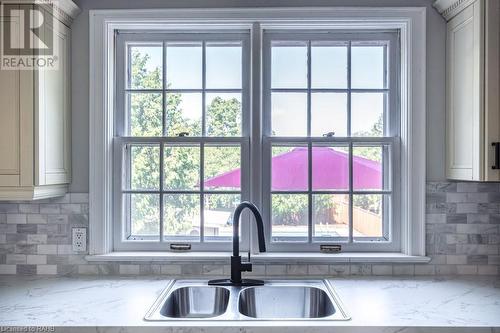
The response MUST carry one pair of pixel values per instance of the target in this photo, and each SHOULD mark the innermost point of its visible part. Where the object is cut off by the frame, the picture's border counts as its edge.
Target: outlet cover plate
(79, 239)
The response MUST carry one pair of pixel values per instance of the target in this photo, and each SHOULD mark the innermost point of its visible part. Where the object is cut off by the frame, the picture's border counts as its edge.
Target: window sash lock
(330, 248)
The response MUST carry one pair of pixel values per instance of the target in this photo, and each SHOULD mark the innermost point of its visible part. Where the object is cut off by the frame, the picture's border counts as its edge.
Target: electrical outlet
(79, 239)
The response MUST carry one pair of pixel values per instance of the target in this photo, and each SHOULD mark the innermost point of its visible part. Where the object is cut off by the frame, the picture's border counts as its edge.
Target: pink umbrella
(330, 171)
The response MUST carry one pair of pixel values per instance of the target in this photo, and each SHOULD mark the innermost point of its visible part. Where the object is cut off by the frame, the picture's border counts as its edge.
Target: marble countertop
(381, 304)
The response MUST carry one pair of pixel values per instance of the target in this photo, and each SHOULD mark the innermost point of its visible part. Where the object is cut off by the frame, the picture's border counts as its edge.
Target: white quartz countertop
(376, 304)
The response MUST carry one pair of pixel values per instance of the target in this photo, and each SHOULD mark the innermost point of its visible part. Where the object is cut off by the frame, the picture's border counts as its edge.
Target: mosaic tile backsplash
(463, 238)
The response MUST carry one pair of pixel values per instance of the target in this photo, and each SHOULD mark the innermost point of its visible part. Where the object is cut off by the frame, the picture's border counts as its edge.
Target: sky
(289, 71)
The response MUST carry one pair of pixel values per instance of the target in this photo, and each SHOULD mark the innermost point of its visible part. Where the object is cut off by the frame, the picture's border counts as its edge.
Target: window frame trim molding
(410, 21)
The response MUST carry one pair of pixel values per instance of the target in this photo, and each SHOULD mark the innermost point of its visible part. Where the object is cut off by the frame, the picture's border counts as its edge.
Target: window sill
(264, 258)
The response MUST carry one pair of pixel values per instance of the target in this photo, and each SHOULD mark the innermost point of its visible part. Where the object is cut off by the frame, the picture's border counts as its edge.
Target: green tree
(182, 164)
(224, 117)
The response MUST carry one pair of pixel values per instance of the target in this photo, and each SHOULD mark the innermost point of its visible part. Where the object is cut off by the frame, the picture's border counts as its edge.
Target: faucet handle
(246, 267)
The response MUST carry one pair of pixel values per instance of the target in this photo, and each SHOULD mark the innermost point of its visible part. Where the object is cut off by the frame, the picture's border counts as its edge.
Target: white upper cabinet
(52, 97)
(35, 113)
(472, 88)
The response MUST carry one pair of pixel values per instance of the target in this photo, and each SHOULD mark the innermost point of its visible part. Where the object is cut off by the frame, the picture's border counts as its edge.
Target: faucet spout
(236, 227)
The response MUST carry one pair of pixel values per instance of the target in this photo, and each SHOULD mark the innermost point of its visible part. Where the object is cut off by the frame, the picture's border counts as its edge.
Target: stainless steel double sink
(275, 300)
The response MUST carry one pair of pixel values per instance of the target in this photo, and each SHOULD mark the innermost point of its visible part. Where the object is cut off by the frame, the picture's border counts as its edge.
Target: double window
(328, 124)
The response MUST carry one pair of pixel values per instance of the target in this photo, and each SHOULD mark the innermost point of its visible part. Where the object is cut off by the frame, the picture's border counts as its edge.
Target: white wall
(80, 70)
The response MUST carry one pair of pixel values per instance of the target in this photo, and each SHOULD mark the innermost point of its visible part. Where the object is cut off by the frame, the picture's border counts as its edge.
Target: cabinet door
(464, 109)
(492, 86)
(53, 113)
(9, 127)
(16, 120)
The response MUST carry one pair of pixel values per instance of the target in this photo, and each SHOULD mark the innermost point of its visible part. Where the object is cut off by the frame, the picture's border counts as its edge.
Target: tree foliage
(181, 164)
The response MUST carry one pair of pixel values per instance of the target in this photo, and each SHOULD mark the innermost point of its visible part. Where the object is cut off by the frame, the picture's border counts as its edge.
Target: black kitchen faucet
(236, 265)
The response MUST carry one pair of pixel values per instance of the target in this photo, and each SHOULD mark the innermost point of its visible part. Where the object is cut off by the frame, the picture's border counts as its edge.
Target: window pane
(367, 114)
(367, 67)
(330, 168)
(289, 169)
(145, 112)
(144, 167)
(368, 215)
(369, 167)
(330, 216)
(289, 217)
(328, 114)
(223, 65)
(289, 65)
(218, 216)
(144, 216)
(181, 217)
(328, 66)
(184, 65)
(222, 168)
(223, 114)
(182, 168)
(184, 112)
(289, 114)
(147, 67)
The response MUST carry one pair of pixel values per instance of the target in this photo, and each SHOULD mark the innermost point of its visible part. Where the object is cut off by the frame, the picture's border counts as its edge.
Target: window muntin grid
(192, 193)
(386, 142)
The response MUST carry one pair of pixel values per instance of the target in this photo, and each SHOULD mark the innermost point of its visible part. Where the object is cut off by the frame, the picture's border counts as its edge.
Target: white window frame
(409, 21)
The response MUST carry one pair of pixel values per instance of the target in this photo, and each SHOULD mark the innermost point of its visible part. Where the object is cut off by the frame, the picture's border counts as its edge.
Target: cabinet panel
(54, 113)
(464, 115)
(10, 121)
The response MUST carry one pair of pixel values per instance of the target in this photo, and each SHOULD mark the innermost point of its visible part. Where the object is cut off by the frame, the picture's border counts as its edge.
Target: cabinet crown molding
(64, 10)
(449, 8)
(68, 7)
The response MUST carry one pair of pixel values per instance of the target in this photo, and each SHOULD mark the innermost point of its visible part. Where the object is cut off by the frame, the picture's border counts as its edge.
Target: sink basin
(284, 302)
(196, 302)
